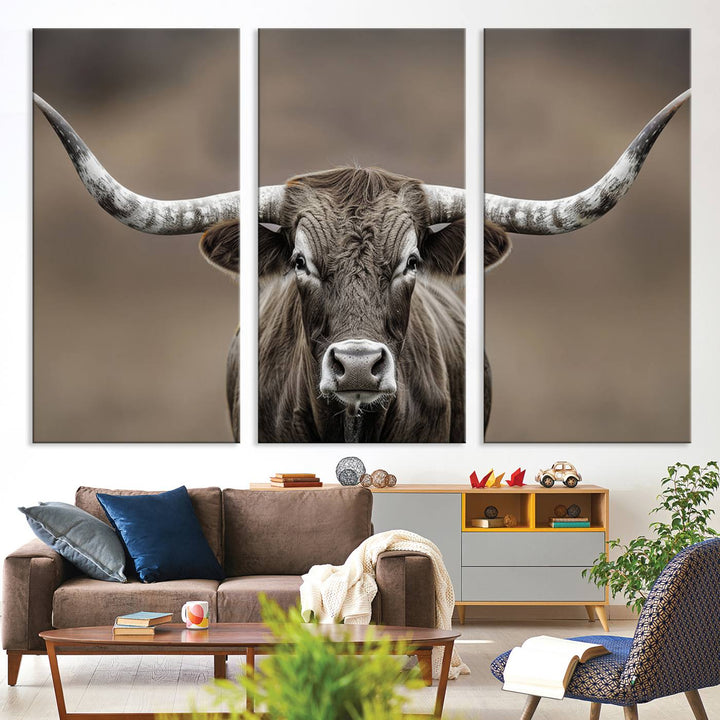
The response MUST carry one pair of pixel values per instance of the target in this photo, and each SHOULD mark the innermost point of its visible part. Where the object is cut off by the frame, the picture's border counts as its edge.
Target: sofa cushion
(207, 504)
(82, 602)
(286, 532)
(163, 536)
(237, 598)
(80, 538)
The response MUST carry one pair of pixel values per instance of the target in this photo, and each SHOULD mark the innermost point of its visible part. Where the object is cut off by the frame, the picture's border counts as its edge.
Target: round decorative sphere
(560, 511)
(348, 477)
(510, 520)
(573, 511)
(348, 467)
(366, 480)
(491, 512)
(391, 481)
(379, 478)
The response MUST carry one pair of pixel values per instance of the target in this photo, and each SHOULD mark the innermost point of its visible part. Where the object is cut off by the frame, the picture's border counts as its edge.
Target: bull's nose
(362, 367)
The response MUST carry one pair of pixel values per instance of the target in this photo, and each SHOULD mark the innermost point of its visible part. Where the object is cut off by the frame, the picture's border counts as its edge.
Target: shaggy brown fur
(355, 222)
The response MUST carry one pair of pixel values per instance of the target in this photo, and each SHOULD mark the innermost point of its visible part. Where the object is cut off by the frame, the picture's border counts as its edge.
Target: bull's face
(356, 281)
(356, 257)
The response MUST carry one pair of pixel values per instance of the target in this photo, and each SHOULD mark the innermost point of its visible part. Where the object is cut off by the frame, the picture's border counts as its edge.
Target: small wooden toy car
(562, 471)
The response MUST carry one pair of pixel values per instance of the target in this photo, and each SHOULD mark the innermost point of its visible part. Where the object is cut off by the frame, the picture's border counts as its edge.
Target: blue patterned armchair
(676, 647)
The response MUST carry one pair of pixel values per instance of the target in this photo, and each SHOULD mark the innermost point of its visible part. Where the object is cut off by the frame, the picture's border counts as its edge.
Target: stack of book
(568, 522)
(290, 480)
(140, 623)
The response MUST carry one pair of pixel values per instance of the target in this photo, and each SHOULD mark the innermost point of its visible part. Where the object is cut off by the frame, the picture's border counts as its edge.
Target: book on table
(543, 665)
(295, 480)
(143, 619)
(146, 630)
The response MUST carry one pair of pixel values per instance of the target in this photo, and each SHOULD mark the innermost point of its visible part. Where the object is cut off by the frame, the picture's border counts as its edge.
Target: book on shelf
(295, 476)
(488, 522)
(147, 630)
(572, 524)
(294, 483)
(143, 619)
(543, 665)
(568, 519)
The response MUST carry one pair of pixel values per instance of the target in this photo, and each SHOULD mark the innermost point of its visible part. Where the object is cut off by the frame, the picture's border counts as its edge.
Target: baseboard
(502, 613)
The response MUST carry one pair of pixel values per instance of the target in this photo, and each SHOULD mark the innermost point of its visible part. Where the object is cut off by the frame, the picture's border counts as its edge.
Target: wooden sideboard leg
(14, 660)
(461, 613)
(250, 674)
(530, 706)
(631, 712)
(696, 704)
(220, 666)
(425, 664)
(590, 610)
(595, 711)
(602, 617)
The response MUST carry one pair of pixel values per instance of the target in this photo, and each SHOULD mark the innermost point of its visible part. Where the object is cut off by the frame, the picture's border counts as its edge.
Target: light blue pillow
(88, 543)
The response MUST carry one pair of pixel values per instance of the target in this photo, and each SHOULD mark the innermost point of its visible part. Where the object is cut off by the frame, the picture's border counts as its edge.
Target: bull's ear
(273, 249)
(221, 246)
(443, 249)
(497, 245)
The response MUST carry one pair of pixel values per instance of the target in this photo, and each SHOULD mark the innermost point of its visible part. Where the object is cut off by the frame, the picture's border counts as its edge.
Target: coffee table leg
(250, 674)
(442, 684)
(57, 682)
(220, 667)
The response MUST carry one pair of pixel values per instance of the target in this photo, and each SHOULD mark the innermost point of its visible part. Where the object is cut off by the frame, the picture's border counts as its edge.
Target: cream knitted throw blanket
(345, 592)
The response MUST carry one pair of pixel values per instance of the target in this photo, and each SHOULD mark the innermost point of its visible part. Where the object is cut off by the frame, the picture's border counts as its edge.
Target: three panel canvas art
(361, 236)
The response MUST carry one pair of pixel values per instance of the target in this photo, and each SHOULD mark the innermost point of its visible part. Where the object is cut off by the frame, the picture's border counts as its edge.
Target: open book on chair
(544, 665)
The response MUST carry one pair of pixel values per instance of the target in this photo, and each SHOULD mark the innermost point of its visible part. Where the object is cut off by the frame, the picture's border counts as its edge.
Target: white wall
(52, 472)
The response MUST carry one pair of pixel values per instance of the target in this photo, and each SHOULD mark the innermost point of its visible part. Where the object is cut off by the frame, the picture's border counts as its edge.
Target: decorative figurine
(517, 478)
(491, 512)
(491, 480)
(510, 520)
(561, 471)
(474, 482)
(573, 511)
(349, 470)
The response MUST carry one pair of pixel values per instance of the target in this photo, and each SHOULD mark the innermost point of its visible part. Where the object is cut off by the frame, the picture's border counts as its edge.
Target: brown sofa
(264, 539)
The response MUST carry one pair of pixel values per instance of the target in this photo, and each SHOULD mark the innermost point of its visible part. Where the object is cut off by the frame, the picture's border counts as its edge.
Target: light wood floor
(150, 684)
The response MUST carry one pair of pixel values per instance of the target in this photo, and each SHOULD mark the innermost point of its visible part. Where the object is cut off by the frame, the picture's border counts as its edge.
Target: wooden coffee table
(221, 640)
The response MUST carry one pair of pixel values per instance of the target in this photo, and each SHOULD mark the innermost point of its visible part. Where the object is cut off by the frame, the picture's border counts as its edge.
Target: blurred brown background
(389, 98)
(588, 333)
(131, 330)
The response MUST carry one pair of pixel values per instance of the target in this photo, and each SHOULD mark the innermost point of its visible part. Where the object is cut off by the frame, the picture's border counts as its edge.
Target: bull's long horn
(159, 217)
(270, 203)
(446, 203)
(551, 217)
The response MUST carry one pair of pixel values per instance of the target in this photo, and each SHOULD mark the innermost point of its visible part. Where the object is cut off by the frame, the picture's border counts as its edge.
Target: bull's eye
(412, 263)
(300, 263)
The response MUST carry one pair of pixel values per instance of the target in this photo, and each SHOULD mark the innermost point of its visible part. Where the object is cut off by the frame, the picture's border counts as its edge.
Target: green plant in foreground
(308, 677)
(686, 493)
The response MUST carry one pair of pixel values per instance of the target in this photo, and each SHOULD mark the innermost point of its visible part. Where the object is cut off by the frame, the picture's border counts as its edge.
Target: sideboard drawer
(544, 549)
(528, 584)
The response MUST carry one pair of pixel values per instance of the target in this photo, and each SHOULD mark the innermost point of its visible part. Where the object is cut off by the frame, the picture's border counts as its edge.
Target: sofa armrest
(31, 575)
(406, 590)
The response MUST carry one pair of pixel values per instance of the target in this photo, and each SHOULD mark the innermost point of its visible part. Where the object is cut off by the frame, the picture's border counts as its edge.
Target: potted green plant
(684, 508)
(314, 678)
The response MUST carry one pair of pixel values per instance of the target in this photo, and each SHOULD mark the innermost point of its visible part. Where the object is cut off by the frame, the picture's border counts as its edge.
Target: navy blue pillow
(162, 536)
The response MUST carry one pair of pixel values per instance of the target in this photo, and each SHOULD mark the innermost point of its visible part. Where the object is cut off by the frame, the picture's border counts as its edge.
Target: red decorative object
(516, 479)
(474, 480)
(484, 481)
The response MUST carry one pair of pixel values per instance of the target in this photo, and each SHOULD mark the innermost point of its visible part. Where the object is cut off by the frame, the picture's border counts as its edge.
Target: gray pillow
(88, 543)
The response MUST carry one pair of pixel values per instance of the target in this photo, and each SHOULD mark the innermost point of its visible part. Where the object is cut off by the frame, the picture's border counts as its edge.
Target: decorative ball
(366, 480)
(491, 512)
(391, 481)
(560, 511)
(348, 477)
(573, 511)
(349, 470)
(379, 478)
(510, 520)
